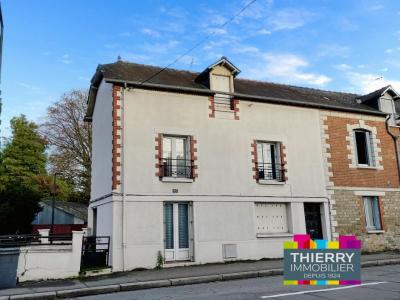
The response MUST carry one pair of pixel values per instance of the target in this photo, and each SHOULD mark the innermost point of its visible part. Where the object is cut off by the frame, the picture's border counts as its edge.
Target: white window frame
(187, 158)
(369, 147)
(372, 214)
(263, 160)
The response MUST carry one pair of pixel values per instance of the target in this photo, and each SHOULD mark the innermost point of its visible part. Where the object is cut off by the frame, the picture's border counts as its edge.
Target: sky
(51, 47)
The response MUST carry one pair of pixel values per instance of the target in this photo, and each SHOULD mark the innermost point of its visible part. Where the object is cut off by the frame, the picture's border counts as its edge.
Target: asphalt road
(378, 283)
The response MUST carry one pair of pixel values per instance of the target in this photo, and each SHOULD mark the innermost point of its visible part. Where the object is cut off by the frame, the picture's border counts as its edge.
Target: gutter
(123, 176)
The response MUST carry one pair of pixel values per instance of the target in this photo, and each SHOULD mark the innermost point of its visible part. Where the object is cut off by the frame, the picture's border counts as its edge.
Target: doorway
(312, 213)
(176, 231)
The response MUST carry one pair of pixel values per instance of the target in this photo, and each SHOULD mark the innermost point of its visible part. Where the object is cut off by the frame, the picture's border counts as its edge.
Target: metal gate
(95, 252)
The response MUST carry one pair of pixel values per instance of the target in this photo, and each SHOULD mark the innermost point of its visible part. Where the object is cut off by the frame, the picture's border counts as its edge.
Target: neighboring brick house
(362, 172)
(206, 167)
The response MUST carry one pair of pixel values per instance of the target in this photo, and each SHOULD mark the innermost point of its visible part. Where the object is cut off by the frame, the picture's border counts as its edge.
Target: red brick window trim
(211, 107)
(159, 156)
(282, 162)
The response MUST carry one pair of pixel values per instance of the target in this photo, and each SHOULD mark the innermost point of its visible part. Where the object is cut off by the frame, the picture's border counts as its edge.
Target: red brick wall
(343, 175)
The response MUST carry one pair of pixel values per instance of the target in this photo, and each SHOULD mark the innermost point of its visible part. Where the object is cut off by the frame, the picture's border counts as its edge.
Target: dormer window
(221, 83)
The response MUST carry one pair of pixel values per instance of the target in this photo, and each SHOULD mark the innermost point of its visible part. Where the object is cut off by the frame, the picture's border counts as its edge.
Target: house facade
(205, 167)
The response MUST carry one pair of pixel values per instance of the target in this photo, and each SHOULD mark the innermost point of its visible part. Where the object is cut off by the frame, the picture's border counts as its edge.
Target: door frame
(179, 254)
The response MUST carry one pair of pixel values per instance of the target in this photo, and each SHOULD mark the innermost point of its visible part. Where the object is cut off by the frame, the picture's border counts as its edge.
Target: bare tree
(70, 140)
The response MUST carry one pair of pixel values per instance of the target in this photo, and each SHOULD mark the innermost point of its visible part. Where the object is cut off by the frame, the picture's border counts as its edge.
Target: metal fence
(19, 240)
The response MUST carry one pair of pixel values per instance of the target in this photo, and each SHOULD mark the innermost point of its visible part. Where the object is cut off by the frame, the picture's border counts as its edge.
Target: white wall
(43, 262)
(102, 142)
(223, 195)
(224, 151)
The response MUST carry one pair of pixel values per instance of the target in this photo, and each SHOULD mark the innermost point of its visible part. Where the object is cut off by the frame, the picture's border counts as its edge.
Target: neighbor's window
(363, 141)
(372, 213)
(176, 157)
(269, 165)
(271, 218)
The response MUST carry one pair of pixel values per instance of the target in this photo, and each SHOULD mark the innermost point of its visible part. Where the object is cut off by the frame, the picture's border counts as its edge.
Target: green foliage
(23, 161)
(160, 261)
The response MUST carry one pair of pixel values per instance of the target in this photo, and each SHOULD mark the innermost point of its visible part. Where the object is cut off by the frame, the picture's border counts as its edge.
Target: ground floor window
(372, 213)
(177, 227)
(271, 218)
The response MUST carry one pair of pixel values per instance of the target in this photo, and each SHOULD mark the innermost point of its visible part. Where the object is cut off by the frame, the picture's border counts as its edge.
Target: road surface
(378, 283)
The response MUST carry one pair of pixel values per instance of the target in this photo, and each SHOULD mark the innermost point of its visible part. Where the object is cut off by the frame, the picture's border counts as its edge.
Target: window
(222, 83)
(269, 165)
(364, 151)
(176, 157)
(271, 218)
(372, 213)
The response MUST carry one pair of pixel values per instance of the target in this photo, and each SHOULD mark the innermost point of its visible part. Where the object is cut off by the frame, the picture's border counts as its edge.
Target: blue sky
(51, 47)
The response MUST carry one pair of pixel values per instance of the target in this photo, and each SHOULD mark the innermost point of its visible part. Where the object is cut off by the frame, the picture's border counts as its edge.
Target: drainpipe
(123, 176)
(396, 143)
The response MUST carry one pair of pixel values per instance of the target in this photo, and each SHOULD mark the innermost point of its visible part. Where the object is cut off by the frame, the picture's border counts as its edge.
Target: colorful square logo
(322, 262)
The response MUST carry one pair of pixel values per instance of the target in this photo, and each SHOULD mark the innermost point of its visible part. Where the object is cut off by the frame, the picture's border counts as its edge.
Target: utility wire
(199, 43)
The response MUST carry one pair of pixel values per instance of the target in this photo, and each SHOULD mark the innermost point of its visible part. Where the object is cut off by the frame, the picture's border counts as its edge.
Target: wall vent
(229, 251)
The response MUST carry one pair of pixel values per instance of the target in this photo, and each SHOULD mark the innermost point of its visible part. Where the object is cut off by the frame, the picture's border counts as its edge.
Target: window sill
(375, 231)
(274, 235)
(174, 179)
(270, 182)
(366, 167)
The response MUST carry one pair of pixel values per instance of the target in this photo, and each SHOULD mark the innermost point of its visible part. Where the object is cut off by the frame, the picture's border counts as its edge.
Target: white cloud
(264, 32)
(343, 67)
(367, 82)
(331, 50)
(245, 49)
(29, 86)
(150, 32)
(289, 19)
(385, 69)
(388, 51)
(287, 68)
(65, 59)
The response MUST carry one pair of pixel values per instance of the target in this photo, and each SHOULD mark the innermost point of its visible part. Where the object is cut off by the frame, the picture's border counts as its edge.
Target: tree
(70, 140)
(23, 160)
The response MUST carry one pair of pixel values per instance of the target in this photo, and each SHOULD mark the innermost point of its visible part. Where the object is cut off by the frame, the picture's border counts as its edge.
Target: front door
(176, 231)
(312, 212)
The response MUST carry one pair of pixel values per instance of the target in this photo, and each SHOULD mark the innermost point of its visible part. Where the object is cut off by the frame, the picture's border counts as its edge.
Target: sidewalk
(166, 277)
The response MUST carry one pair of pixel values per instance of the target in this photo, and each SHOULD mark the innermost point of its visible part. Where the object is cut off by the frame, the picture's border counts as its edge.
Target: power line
(200, 42)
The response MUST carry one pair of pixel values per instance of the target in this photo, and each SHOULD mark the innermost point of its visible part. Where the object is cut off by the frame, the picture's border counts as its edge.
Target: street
(378, 283)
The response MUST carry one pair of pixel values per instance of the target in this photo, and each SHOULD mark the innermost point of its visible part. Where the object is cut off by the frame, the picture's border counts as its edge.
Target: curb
(134, 286)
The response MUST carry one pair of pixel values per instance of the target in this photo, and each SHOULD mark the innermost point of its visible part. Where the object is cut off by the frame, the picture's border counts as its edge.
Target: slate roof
(78, 210)
(185, 81)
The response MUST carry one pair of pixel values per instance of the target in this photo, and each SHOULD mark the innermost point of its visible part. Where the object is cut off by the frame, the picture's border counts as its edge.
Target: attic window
(222, 83)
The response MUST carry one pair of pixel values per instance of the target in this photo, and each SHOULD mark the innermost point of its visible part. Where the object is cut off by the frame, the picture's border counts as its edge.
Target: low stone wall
(351, 220)
(41, 262)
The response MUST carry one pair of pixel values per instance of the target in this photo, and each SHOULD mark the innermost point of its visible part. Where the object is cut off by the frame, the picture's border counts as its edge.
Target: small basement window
(271, 218)
(372, 213)
(364, 151)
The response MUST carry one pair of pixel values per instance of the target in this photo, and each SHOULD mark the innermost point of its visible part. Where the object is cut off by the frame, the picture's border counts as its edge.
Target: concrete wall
(102, 142)
(41, 262)
(223, 146)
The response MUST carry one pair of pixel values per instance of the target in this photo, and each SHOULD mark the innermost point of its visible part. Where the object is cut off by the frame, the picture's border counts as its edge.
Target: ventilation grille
(229, 251)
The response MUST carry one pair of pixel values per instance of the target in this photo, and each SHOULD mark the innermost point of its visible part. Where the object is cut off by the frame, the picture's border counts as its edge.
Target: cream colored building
(205, 167)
